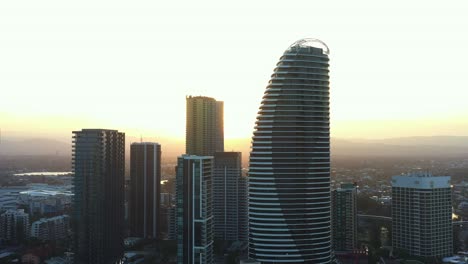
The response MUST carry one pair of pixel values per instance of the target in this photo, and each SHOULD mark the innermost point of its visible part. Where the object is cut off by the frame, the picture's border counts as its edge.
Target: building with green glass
(195, 235)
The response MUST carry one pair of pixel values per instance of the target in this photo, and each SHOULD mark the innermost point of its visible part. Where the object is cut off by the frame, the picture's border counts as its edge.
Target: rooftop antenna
(141, 138)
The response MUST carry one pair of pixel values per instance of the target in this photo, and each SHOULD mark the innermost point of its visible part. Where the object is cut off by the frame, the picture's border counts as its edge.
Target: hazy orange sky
(398, 68)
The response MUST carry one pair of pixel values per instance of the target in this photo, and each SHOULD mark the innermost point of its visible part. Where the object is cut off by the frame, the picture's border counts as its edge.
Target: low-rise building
(14, 226)
(54, 228)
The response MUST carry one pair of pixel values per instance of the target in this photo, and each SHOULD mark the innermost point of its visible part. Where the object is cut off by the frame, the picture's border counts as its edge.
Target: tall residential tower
(204, 133)
(194, 210)
(145, 189)
(229, 197)
(344, 205)
(289, 175)
(98, 201)
(422, 215)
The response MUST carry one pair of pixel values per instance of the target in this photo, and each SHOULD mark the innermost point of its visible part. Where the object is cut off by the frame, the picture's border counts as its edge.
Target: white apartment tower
(422, 214)
(54, 228)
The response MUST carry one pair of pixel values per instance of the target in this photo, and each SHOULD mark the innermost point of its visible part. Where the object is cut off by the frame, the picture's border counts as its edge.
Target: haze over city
(398, 68)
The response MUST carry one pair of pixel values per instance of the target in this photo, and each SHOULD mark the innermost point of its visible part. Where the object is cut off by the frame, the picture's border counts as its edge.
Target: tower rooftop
(311, 42)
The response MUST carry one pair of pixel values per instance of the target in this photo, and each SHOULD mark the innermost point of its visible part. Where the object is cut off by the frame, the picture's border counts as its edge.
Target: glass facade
(229, 197)
(289, 172)
(194, 210)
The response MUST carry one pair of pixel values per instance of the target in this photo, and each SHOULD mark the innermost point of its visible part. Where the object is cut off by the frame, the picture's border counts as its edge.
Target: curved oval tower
(289, 175)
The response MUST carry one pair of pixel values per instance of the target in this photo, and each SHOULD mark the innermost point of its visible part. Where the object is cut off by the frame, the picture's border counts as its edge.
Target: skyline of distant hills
(51, 154)
(426, 146)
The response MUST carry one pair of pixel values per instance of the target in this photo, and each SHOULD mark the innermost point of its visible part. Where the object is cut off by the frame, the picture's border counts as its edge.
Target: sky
(397, 68)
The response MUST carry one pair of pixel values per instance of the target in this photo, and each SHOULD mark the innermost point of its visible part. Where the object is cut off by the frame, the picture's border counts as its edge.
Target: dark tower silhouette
(98, 202)
(145, 189)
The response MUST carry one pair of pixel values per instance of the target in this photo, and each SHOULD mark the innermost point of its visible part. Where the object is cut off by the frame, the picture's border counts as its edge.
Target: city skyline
(394, 65)
(310, 132)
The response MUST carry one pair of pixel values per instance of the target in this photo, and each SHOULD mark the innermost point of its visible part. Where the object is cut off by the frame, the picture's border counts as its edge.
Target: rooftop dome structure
(310, 42)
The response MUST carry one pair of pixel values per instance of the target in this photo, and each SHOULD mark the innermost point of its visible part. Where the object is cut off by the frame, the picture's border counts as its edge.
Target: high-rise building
(344, 218)
(204, 133)
(289, 172)
(194, 209)
(422, 215)
(229, 197)
(243, 221)
(145, 189)
(98, 202)
(172, 222)
(14, 226)
(52, 229)
(219, 134)
(166, 199)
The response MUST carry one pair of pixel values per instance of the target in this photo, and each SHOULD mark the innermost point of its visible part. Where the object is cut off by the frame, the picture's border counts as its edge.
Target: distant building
(98, 203)
(204, 133)
(344, 218)
(168, 217)
(58, 260)
(243, 209)
(46, 200)
(194, 209)
(229, 197)
(49, 205)
(145, 189)
(8, 202)
(10, 197)
(172, 222)
(166, 199)
(422, 215)
(54, 228)
(14, 226)
(30, 258)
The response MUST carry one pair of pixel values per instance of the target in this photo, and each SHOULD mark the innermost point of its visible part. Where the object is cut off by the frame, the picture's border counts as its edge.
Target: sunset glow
(90, 71)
